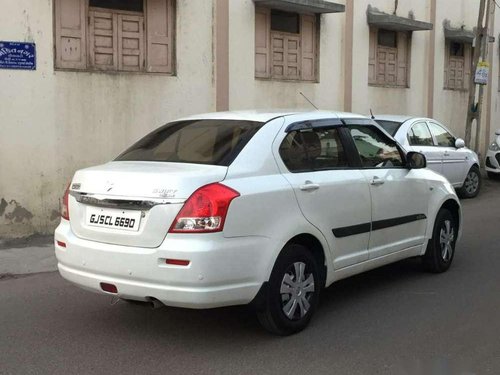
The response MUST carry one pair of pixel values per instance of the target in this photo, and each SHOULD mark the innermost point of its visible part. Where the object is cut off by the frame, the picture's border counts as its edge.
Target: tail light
(205, 210)
(65, 205)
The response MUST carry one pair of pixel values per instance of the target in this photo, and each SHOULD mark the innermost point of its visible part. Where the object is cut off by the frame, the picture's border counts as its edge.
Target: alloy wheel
(297, 288)
(471, 182)
(446, 239)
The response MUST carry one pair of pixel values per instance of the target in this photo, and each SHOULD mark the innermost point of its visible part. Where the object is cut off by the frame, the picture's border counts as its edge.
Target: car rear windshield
(214, 142)
(390, 127)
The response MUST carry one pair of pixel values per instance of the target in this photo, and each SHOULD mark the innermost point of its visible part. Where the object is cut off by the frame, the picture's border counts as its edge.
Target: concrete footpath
(29, 256)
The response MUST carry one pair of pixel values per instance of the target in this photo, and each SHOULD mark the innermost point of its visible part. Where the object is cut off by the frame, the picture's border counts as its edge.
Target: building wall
(247, 92)
(450, 106)
(55, 122)
(494, 101)
(382, 100)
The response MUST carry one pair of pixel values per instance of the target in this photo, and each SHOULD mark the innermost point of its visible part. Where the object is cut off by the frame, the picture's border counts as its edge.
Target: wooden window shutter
(130, 43)
(292, 57)
(103, 40)
(403, 62)
(262, 42)
(387, 66)
(308, 47)
(467, 64)
(278, 64)
(372, 57)
(70, 32)
(447, 64)
(160, 21)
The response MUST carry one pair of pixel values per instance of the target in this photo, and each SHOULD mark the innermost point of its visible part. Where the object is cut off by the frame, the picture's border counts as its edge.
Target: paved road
(395, 320)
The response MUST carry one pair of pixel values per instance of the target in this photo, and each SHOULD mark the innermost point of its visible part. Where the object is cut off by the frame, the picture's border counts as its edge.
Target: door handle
(377, 181)
(309, 186)
(446, 153)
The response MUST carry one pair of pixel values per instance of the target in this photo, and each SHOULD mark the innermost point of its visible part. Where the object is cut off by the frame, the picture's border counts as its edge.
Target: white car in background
(232, 208)
(445, 153)
(493, 157)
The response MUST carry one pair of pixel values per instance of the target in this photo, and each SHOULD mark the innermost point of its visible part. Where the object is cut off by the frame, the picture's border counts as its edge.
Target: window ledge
(387, 21)
(271, 79)
(452, 89)
(386, 86)
(113, 73)
(302, 6)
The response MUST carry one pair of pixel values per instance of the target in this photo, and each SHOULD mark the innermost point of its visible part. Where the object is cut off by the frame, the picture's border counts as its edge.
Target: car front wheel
(293, 292)
(441, 247)
(472, 184)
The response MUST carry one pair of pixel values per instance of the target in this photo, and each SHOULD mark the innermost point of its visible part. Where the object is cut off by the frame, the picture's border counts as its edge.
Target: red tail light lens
(205, 210)
(65, 206)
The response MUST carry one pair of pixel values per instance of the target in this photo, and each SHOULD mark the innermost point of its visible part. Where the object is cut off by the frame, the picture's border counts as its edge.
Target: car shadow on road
(241, 320)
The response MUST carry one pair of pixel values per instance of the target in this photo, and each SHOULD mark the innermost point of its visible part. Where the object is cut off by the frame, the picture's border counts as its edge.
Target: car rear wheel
(441, 247)
(472, 183)
(293, 292)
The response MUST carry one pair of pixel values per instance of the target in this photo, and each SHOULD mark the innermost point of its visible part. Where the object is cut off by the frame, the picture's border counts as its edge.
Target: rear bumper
(222, 271)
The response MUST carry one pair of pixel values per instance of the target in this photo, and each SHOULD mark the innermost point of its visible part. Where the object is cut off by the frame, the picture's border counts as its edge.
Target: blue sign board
(14, 55)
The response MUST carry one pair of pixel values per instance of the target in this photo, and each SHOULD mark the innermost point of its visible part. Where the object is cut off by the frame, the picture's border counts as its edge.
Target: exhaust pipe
(149, 302)
(155, 303)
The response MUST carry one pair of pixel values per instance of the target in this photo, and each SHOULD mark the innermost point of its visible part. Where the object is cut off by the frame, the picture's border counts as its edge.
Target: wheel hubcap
(471, 182)
(446, 238)
(297, 288)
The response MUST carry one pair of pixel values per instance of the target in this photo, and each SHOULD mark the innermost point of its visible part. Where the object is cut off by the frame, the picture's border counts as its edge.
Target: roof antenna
(300, 92)
(371, 113)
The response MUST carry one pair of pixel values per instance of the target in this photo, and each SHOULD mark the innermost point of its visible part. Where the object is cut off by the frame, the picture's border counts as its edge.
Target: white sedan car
(269, 208)
(445, 153)
(493, 157)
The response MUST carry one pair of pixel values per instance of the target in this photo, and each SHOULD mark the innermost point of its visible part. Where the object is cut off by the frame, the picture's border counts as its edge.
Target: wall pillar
(348, 54)
(431, 62)
(221, 55)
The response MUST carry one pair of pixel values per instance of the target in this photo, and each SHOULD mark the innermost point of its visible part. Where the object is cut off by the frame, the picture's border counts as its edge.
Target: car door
(399, 196)
(454, 160)
(421, 140)
(332, 197)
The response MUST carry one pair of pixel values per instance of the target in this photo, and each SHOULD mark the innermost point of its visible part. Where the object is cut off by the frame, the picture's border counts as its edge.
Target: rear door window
(375, 149)
(214, 142)
(419, 135)
(313, 150)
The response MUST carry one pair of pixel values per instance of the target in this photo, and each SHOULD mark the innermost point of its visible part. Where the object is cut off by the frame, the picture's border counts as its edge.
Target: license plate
(113, 218)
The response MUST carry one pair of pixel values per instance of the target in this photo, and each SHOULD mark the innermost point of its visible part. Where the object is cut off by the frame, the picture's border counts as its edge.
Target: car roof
(395, 118)
(267, 115)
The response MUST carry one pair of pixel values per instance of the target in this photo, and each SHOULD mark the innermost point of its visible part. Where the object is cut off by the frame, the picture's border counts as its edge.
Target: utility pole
(484, 57)
(480, 49)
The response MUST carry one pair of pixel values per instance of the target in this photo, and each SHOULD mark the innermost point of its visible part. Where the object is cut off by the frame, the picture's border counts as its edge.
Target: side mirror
(497, 132)
(416, 160)
(459, 143)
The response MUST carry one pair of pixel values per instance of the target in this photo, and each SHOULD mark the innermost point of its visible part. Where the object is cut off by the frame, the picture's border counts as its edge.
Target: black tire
(493, 176)
(437, 259)
(472, 184)
(272, 315)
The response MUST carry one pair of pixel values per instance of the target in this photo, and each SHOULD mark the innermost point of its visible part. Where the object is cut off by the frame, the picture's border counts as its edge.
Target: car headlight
(494, 147)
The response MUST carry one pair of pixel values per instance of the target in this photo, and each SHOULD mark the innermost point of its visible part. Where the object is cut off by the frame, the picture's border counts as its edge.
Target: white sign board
(482, 73)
